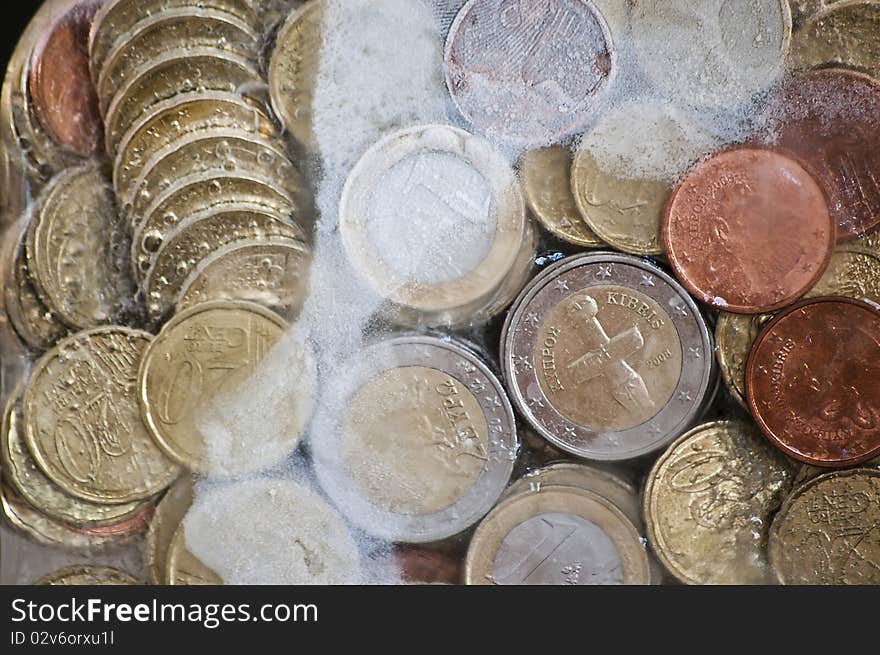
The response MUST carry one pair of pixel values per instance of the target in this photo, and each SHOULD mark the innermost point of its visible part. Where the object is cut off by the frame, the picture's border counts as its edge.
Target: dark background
(15, 17)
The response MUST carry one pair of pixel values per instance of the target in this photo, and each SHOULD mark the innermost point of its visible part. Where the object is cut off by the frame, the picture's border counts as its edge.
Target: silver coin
(417, 439)
(607, 356)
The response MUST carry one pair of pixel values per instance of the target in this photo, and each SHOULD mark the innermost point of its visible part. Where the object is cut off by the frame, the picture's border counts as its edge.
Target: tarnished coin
(706, 54)
(170, 75)
(170, 120)
(813, 382)
(271, 272)
(82, 419)
(294, 67)
(546, 181)
(89, 575)
(416, 441)
(734, 336)
(21, 471)
(843, 34)
(204, 354)
(807, 472)
(748, 231)
(34, 323)
(528, 72)
(296, 538)
(560, 536)
(607, 356)
(802, 11)
(827, 532)
(428, 566)
(60, 87)
(117, 18)
(78, 249)
(409, 206)
(708, 503)
(169, 514)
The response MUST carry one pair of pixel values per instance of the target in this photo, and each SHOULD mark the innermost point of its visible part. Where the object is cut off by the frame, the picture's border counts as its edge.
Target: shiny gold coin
(184, 568)
(562, 535)
(168, 517)
(172, 119)
(34, 323)
(199, 356)
(827, 531)
(118, 18)
(86, 574)
(708, 503)
(850, 274)
(869, 243)
(172, 74)
(77, 249)
(168, 259)
(20, 471)
(546, 181)
(845, 34)
(293, 69)
(82, 419)
(272, 272)
(734, 336)
(152, 38)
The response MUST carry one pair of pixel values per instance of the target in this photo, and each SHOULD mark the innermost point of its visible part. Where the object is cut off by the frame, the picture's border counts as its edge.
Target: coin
(813, 382)
(22, 472)
(850, 274)
(294, 67)
(77, 249)
(425, 566)
(801, 12)
(172, 74)
(826, 119)
(826, 532)
(272, 272)
(82, 419)
(843, 34)
(705, 54)
(184, 568)
(546, 175)
(607, 356)
(34, 323)
(708, 503)
(410, 204)
(528, 72)
(807, 472)
(60, 86)
(868, 243)
(169, 514)
(748, 231)
(202, 354)
(734, 336)
(89, 575)
(417, 440)
(561, 536)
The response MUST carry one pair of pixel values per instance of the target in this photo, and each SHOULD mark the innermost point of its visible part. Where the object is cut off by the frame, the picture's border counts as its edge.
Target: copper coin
(426, 566)
(827, 119)
(60, 85)
(529, 71)
(748, 231)
(813, 382)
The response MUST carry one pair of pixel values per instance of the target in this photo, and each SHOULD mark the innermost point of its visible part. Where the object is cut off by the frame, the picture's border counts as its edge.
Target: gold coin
(827, 531)
(563, 535)
(273, 273)
(34, 323)
(850, 274)
(184, 568)
(803, 10)
(169, 514)
(807, 472)
(200, 355)
(171, 119)
(20, 471)
(77, 249)
(734, 336)
(153, 37)
(173, 74)
(868, 243)
(708, 502)
(845, 34)
(116, 19)
(82, 419)
(546, 180)
(87, 574)
(293, 69)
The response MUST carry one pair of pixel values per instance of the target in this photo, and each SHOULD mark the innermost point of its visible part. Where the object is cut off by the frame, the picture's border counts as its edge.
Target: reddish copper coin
(813, 382)
(748, 231)
(425, 566)
(827, 119)
(60, 85)
(129, 527)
